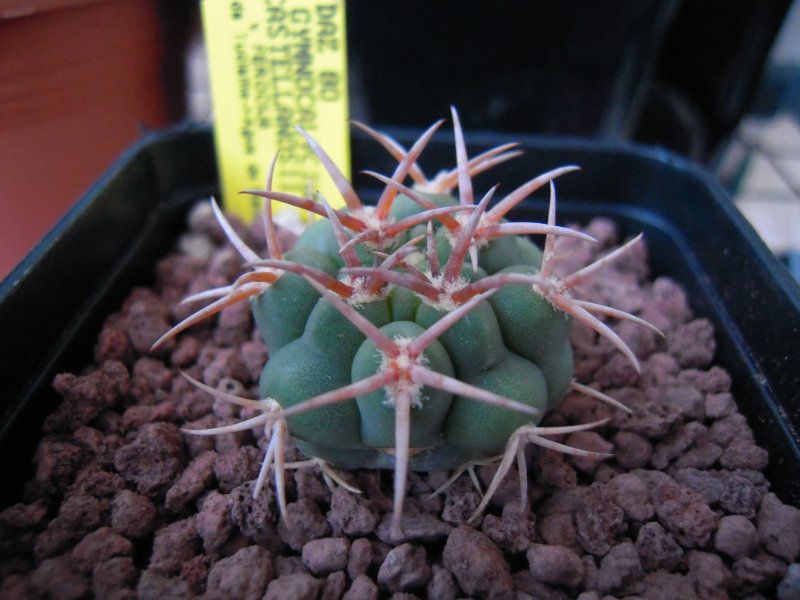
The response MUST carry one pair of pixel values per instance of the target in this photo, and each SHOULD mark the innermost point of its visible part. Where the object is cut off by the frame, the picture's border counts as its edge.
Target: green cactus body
(292, 297)
(514, 345)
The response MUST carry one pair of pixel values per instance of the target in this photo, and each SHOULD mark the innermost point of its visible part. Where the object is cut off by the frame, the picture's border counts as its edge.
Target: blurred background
(715, 81)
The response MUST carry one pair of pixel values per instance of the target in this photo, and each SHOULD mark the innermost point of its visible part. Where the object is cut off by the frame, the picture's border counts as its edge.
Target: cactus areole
(425, 332)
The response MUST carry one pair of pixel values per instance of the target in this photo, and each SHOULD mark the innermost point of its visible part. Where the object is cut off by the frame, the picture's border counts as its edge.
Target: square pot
(53, 304)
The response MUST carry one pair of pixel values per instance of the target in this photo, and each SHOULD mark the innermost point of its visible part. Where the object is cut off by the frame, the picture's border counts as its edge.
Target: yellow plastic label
(274, 65)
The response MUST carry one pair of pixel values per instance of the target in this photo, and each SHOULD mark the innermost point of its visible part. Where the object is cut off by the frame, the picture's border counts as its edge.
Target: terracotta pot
(79, 80)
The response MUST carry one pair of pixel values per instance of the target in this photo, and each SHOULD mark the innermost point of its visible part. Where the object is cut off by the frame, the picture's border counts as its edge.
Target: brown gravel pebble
(195, 572)
(715, 380)
(563, 501)
(600, 522)
(113, 343)
(652, 479)
(477, 564)
(693, 344)
(237, 467)
(186, 351)
(56, 466)
(553, 471)
(690, 401)
(642, 341)
(243, 576)
(156, 586)
(405, 568)
(711, 576)
(660, 585)
(255, 517)
(113, 576)
(174, 545)
(132, 514)
(580, 408)
(362, 588)
(153, 460)
(657, 548)
(739, 495)
(58, 578)
(213, 523)
(708, 484)
(651, 419)
(685, 514)
(93, 479)
(351, 514)
(442, 585)
(461, 500)
(233, 325)
(295, 586)
(660, 370)
(702, 457)
(286, 565)
(303, 522)
(147, 317)
(310, 484)
(676, 444)
(593, 442)
(18, 526)
(323, 556)
(527, 586)
(85, 397)
(734, 427)
(420, 528)
(719, 405)
(616, 372)
(254, 355)
(630, 494)
(334, 587)
(779, 528)
(99, 546)
(196, 478)
(77, 516)
(632, 450)
(136, 416)
(743, 454)
(555, 565)
(758, 571)
(619, 567)
(559, 529)
(225, 364)
(736, 536)
(359, 558)
(514, 531)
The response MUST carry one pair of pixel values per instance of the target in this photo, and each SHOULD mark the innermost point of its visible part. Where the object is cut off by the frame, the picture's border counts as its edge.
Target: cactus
(426, 332)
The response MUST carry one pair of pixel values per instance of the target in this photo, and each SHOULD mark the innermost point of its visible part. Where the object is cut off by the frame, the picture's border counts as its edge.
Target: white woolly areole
(446, 289)
(361, 293)
(366, 214)
(434, 185)
(462, 217)
(404, 386)
(552, 293)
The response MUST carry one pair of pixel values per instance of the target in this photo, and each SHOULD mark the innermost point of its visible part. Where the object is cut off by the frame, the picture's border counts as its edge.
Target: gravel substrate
(125, 505)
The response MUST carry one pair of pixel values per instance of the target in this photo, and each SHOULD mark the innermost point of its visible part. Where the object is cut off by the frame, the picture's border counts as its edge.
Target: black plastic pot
(53, 304)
